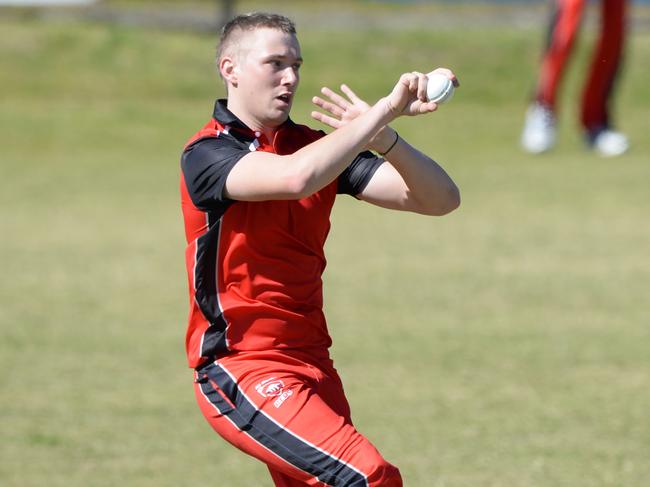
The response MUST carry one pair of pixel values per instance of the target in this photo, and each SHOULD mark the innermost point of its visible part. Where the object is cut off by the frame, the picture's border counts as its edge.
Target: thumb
(399, 97)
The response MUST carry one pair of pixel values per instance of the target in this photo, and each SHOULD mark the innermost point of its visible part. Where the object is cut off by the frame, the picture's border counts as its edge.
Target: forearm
(410, 180)
(322, 161)
(263, 176)
(260, 176)
(429, 187)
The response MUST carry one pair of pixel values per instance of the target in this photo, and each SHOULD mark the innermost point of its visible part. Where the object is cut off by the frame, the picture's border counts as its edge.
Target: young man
(539, 132)
(257, 191)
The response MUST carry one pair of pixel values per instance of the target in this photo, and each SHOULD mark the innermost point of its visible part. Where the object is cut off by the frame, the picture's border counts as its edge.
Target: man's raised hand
(339, 111)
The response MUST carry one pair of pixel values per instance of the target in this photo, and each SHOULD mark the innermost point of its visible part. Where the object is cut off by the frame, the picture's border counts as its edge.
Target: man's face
(266, 68)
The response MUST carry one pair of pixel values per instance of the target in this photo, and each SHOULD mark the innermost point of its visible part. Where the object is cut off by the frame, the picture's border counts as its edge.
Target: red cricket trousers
(288, 409)
(605, 63)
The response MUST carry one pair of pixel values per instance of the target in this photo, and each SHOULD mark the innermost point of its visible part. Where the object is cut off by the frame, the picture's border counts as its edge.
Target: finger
(327, 106)
(419, 108)
(449, 74)
(422, 87)
(326, 119)
(350, 94)
(335, 97)
(444, 71)
(413, 82)
(428, 107)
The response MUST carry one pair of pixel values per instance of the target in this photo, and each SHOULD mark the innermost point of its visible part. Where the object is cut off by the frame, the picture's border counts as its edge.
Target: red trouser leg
(564, 26)
(291, 413)
(282, 480)
(604, 65)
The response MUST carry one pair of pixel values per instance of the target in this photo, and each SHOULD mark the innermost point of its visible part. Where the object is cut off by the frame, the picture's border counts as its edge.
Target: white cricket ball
(439, 88)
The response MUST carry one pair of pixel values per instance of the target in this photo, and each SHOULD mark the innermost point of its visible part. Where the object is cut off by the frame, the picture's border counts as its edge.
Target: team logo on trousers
(273, 388)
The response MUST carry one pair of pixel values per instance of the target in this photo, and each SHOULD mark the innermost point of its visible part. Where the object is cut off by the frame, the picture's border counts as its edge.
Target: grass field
(503, 345)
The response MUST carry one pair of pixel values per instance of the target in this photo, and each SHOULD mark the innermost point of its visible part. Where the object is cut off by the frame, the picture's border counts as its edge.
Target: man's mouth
(285, 98)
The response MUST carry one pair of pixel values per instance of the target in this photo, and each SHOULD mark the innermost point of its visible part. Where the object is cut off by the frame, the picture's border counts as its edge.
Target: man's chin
(277, 118)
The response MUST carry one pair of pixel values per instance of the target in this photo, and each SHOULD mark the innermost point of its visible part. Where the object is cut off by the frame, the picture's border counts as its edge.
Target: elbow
(303, 179)
(298, 184)
(453, 199)
(294, 187)
(448, 202)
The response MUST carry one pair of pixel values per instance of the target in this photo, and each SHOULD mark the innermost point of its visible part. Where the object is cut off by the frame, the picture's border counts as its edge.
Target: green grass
(504, 344)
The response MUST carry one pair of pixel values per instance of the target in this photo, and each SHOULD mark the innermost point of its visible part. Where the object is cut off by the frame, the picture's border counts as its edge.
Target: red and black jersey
(254, 268)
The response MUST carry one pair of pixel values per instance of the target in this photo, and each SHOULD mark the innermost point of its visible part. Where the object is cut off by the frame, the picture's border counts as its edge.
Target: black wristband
(392, 145)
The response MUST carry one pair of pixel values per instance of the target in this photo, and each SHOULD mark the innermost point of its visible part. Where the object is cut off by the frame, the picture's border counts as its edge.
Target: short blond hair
(249, 22)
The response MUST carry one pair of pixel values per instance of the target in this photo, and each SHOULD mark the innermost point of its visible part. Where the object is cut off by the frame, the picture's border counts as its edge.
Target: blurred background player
(539, 134)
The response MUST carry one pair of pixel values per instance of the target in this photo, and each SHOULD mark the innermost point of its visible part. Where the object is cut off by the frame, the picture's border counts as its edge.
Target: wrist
(392, 145)
(388, 112)
(382, 140)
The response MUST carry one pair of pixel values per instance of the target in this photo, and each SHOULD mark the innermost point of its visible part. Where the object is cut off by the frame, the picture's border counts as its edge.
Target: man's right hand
(409, 96)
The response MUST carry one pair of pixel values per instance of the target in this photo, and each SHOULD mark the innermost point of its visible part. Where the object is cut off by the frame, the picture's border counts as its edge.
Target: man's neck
(251, 122)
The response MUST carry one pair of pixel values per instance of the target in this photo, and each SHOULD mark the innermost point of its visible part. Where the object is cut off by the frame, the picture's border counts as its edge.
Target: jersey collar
(226, 117)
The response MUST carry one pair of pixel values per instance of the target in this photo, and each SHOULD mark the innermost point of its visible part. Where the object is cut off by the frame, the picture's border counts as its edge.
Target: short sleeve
(358, 174)
(206, 164)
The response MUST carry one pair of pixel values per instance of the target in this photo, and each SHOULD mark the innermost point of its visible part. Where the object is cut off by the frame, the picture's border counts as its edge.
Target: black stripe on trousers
(247, 418)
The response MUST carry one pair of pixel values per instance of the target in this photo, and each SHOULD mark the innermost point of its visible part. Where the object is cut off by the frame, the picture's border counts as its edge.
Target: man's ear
(228, 70)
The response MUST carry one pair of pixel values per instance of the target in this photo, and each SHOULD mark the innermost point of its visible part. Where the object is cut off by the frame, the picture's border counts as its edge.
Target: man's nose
(290, 76)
